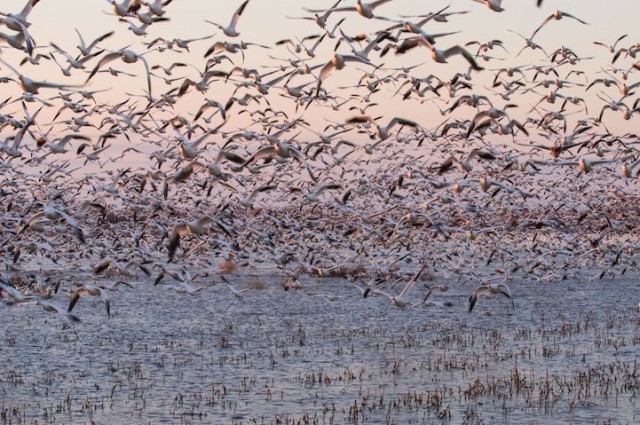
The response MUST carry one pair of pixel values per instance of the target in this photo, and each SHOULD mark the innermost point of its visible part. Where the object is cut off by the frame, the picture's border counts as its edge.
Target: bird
(230, 30)
(95, 291)
(127, 56)
(53, 308)
(401, 299)
(336, 62)
(315, 195)
(438, 55)
(431, 290)
(495, 5)
(320, 20)
(85, 49)
(53, 214)
(248, 201)
(186, 288)
(611, 48)
(18, 21)
(382, 133)
(487, 290)
(464, 164)
(16, 295)
(126, 8)
(197, 227)
(33, 86)
(363, 9)
(556, 16)
(157, 7)
(118, 269)
(529, 43)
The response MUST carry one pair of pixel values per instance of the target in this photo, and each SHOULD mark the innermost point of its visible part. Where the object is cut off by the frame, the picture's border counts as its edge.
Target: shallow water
(323, 354)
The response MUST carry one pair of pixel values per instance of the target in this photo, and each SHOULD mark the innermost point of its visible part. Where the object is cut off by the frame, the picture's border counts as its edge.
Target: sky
(267, 21)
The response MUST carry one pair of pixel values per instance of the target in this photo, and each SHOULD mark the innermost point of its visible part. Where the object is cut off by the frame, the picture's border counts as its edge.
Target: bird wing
(325, 71)
(77, 231)
(359, 119)
(545, 22)
(567, 15)
(458, 50)
(105, 60)
(375, 4)
(402, 121)
(236, 16)
(97, 40)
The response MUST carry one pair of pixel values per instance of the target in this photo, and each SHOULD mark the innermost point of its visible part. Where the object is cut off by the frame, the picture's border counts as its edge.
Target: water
(323, 354)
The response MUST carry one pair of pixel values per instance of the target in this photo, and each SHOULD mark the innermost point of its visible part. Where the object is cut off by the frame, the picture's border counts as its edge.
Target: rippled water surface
(323, 354)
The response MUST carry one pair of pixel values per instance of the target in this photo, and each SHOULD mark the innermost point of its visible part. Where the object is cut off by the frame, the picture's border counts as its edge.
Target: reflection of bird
(490, 289)
(236, 292)
(157, 6)
(431, 290)
(230, 31)
(321, 20)
(186, 288)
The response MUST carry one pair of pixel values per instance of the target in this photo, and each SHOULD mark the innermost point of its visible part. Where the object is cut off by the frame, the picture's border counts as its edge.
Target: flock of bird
(149, 185)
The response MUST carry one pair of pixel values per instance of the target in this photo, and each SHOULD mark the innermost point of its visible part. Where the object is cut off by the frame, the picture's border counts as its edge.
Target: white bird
(556, 16)
(18, 21)
(186, 288)
(126, 8)
(382, 132)
(488, 290)
(53, 214)
(53, 308)
(431, 290)
(85, 49)
(61, 145)
(321, 20)
(230, 31)
(337, 62)
(495, 5)
(248, 201)
(92, 290)
(127, 56)
(141, 30)
(315, 195)
(438, 55)
(401, 299)
(33, 86)
(157, 6)
(363, 9)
